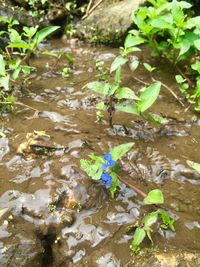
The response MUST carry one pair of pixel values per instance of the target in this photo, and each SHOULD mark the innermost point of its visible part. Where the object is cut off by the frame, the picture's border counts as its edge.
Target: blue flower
(107, 178)
(110, 162)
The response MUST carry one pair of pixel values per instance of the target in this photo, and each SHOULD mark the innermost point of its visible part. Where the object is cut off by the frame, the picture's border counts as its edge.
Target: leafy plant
(172, 34)
(58, 56)
(118, 97)
(19, 49)
(154, 197)
(105, 168)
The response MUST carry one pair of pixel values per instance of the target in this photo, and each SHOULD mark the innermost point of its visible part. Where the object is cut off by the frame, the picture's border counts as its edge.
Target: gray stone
(108, 23)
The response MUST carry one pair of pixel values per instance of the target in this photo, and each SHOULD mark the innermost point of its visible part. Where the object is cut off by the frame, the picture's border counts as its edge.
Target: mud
(56, 215)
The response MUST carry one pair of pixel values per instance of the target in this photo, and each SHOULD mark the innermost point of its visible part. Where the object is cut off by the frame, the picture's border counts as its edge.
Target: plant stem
(134, 188)
(110, 111)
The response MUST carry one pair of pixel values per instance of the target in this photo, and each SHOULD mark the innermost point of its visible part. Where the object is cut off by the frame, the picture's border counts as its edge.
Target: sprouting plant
(58, 56)
(105, 168)
(103, 73)
(172, 34)
(27, 43)
(154, 197)
(118, 97)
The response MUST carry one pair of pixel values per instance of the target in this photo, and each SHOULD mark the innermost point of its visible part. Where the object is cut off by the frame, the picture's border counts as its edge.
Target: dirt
(56, 215)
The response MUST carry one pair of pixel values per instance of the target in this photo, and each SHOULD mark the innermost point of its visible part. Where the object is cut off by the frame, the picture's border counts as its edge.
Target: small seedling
(154, 197)
(105, 168)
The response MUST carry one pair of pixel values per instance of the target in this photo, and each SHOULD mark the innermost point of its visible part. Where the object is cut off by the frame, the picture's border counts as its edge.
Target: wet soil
(56, 215)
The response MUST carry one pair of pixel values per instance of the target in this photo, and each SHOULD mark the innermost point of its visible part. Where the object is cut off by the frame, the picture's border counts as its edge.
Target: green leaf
(184, 4)
(20, 45)
(197, 44)
(168, 223)
(150, 219)
(120, 151)
(133, 65)
(184, 46)
(138, 237)
(100, 106)
(16, 72)
(149, 67)
(50, 54)
(160, 23)
(118, 76)
(43, 33)
(126, 93)
(92, 170)
(4, 82)
(154, 197)
(196, 66)
(128, 108)
(99, 87)
(118, 62)
(148, 96)
(2, 66)
(194, 165)
(178, 14)
(29, 31)
(179, 79)
(14, 36)
(131, 41)
(114, 185)
(69, 58)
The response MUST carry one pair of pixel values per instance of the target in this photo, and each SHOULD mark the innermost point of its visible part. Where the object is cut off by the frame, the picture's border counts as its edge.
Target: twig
(134, 188)
(92, 9)
(88, 8)
(164, 85)
(186, 78)
(26, 106)
(172, 92)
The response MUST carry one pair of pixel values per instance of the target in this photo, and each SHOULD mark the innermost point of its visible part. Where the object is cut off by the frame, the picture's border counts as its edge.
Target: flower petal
(108, 157)
(107, 178)
(104, 167)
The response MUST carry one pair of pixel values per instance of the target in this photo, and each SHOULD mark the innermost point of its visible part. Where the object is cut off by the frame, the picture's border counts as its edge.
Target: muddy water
(56, 215)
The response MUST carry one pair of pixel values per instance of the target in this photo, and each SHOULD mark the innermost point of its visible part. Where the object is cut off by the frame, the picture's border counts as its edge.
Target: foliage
(194, 165)
(58, 56)
(118, 97)
(172, 34)
(105, 168)
(154, 197)
(17, 52)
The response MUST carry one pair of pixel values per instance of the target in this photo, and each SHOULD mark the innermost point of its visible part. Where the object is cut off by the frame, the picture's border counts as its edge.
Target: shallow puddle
(56, 215)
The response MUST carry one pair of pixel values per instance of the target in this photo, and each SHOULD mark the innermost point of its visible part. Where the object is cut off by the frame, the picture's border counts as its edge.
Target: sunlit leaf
(128, 108)
(150, 219)
(114, 185)
(99, 87)
(43, 33)
(4, 82)
(2, 66)
(148, 96)
(134, 65)
(126, 93)
(131, 41)
(154, 197)
(118, 62)
(138, 237)
(121, 150)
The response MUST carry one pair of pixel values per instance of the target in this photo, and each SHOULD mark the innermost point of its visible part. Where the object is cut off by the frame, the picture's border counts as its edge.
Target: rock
(108, 23)
(21, 251)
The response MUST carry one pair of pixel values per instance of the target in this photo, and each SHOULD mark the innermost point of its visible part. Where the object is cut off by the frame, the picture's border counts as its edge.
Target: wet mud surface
(56, 215)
